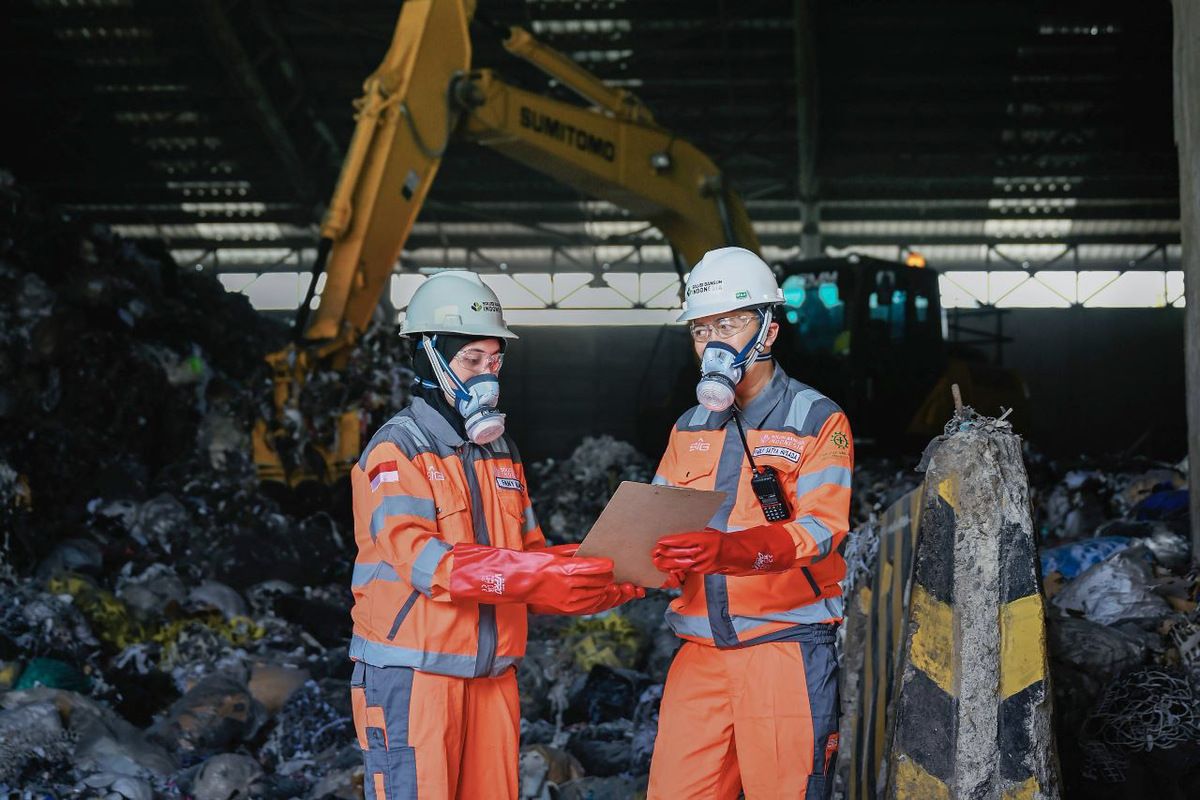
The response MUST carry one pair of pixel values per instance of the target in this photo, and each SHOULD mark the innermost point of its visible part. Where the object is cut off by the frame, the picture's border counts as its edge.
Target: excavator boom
(422, 94)
(403, 122)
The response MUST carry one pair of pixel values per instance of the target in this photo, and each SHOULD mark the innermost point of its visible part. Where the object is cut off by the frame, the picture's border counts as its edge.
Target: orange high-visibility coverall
(751, 700)
(434, 688)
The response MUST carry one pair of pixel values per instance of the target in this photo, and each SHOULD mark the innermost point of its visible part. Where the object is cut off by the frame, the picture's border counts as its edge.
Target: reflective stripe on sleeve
(822, 536)
(397, 505)
(830, 476)
(427, 563)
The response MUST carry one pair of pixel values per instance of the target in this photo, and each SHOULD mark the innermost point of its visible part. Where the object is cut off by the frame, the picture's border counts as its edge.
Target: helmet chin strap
(447, 381)
(753, 351)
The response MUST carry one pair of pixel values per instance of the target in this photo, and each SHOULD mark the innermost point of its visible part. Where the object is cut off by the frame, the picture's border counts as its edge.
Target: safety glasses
(723, 328)
(478, 361)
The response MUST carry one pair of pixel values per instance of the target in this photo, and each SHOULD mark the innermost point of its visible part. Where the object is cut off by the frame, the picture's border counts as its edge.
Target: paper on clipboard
(637, 516)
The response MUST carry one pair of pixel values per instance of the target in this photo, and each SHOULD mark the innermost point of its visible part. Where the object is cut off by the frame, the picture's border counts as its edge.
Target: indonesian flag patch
(383, 472)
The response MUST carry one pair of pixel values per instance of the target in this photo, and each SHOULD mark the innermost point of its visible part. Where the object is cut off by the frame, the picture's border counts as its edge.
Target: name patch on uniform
(784, 439)
(383, 472)
(510, 483)
(781, 452)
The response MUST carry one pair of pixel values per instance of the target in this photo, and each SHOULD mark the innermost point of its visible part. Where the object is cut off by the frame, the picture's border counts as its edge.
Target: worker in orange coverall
(450, 561)
(751, 700)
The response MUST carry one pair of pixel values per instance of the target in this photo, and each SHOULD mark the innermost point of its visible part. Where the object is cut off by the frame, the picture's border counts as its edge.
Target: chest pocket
(696, 463)
(453, 517)
(510, 494)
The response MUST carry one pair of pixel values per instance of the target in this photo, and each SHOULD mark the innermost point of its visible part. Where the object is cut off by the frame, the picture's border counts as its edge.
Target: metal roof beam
(249, 85)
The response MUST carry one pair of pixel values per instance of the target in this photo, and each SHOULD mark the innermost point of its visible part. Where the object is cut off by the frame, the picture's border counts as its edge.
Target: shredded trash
(171, 628)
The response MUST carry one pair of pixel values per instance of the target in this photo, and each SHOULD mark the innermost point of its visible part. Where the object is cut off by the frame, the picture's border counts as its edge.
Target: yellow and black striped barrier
(875, 618)
(972, 699)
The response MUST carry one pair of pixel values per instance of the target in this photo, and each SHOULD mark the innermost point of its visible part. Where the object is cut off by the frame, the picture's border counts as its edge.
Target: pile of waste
(571, 493)
(167, 629)
(171, 628)
(1123, 625)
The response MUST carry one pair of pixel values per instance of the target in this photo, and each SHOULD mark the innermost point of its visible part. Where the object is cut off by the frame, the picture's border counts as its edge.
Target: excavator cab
(870, 334)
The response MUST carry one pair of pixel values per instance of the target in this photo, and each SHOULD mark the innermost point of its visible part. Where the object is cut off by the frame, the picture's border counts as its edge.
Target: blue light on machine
(828, 292)
(793, 316)
(793, 291)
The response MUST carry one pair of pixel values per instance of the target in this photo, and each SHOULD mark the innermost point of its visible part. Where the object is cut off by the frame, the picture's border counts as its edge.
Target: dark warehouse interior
(265, 533)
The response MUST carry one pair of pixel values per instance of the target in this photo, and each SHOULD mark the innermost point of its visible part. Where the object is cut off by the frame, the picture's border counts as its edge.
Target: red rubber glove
(614, 595)
(767, 548)
(498, 575)
(674, 579)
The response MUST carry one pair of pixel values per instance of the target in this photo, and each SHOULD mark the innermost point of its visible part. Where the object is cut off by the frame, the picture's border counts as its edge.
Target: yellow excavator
(424, 93)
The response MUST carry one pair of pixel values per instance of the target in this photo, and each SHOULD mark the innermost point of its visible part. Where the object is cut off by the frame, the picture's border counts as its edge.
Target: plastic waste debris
(225, 777)
(52, 673)
(217, 712)
(1073, 558)
(543, 769)
(1114, 590)
(31, 734)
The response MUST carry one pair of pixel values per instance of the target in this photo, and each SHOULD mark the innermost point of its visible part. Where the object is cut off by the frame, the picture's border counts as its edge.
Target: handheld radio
(765, 482)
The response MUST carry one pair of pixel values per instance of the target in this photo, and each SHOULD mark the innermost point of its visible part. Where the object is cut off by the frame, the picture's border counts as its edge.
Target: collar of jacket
(435, 424)
(764, 402)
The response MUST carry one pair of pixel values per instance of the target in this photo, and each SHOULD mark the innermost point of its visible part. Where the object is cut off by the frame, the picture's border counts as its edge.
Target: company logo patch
(383, 472)
(783, 440)
(742, 295)
(486, 305)
(493, 584)
(434, 474)
(839, 440)
(763, 560)
(706, 286)
(782, 452)
(510, 483)
(699, 446)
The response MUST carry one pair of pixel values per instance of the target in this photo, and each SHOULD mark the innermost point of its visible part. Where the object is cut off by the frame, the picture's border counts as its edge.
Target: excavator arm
(423, 93)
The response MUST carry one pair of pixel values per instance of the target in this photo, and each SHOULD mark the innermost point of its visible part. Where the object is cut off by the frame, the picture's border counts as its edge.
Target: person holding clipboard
(751, 700)
(450, 561)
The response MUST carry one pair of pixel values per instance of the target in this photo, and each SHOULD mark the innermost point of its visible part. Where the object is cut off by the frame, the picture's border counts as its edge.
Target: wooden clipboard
(637, 516)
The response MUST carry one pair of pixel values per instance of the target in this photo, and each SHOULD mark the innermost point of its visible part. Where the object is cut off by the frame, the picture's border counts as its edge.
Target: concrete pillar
(1187, 137)
(973, 703)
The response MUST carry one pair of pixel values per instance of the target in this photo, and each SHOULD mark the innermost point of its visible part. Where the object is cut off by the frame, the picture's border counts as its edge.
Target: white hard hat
(727, 279)
(455, 301)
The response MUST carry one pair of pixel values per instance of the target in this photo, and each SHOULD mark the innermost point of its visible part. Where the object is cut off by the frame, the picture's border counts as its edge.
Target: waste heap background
(170, 628)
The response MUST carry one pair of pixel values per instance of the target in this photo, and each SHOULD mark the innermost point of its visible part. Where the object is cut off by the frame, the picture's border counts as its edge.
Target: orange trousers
(436, 737)
(761, 719)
